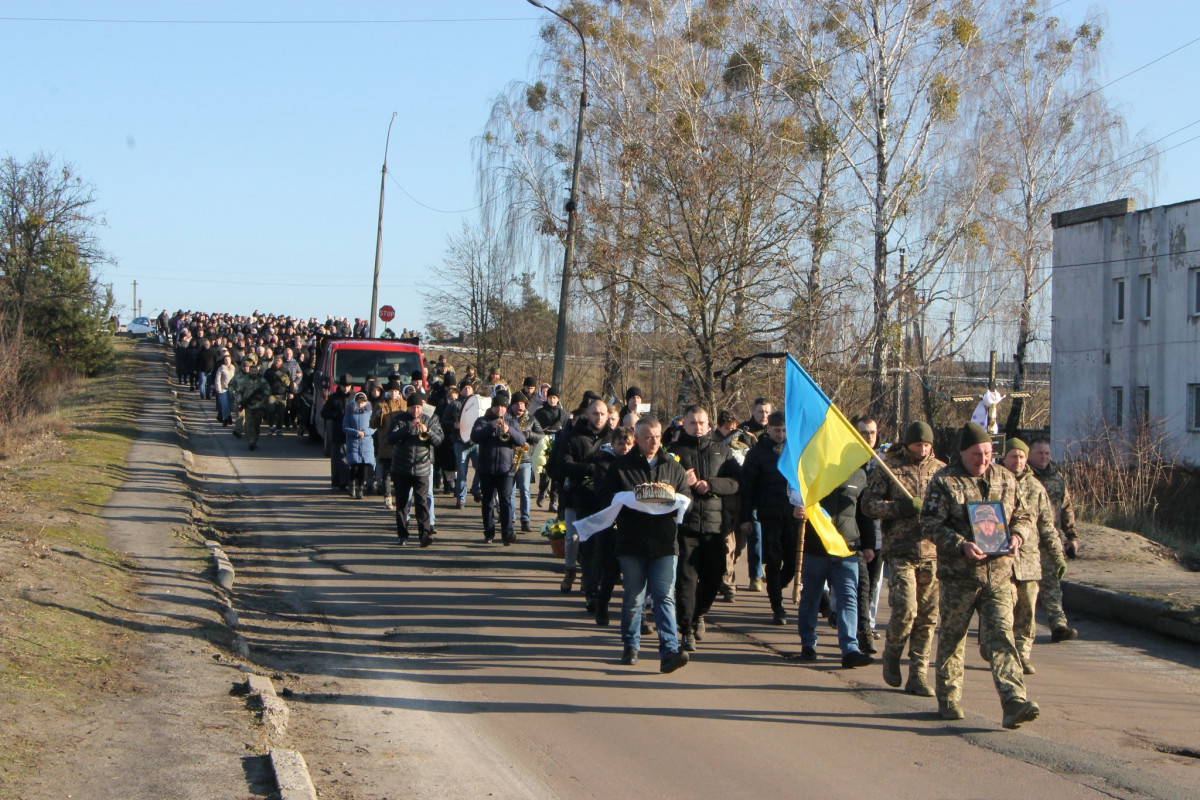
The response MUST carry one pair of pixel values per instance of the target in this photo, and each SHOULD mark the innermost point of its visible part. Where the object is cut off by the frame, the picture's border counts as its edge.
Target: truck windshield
(380, 363)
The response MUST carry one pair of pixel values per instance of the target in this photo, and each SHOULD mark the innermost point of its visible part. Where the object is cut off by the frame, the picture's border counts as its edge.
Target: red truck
(359, 358)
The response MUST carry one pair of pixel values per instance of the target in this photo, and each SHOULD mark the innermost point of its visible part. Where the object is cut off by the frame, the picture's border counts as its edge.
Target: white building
(1125, 339)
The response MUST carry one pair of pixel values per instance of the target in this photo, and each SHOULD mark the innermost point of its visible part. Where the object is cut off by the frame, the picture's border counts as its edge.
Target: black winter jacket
(851, 523)
(496, 454)
(335, 409)
(764, 489)
(410, 454)
(639, 534)
(713, 462)
(581, 444)
(551, 419)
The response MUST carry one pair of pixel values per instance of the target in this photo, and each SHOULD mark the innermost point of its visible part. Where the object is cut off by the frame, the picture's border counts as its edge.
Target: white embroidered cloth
(597, 522)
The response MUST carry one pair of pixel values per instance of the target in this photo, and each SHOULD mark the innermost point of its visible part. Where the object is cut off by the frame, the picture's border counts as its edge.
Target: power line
(102, 21)
(430, 208)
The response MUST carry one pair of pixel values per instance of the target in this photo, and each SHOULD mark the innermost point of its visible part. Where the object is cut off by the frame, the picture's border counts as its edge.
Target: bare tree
(473, 290)
(1056, 143)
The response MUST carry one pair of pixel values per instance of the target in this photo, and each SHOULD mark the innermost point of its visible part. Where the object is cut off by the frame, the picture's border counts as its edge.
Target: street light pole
(564, 295)
(379, 230)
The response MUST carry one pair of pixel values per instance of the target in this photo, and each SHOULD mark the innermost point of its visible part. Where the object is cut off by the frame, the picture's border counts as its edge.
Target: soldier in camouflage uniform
(1050, 592)
(252, 395)
(237, 387)
(971, 581)
(911, 558)
(1030, 560)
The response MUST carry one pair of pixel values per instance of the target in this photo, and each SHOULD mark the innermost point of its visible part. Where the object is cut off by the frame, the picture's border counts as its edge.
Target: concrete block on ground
(225, 574)
(291, 775)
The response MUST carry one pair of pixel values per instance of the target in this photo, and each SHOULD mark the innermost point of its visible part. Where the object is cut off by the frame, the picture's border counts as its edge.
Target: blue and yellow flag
(822, 450)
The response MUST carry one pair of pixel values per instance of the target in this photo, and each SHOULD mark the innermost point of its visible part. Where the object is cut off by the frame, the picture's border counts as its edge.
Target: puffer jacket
(359, 449)
(580, 445)
(411, 454)
(496, 454)
(713, 462)
(763, 487)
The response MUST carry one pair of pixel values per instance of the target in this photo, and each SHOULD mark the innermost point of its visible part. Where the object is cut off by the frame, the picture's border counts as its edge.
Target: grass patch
(63, 590)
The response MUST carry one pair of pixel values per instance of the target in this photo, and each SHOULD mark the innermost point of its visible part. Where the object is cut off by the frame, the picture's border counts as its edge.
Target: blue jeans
(521, 486)
(842, 576)
(224, 403)
(202, 382)
(659, 575)
(754, 553)
(465, 453)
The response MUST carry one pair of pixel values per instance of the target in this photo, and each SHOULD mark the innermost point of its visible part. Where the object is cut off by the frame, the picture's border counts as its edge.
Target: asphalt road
(461, 671)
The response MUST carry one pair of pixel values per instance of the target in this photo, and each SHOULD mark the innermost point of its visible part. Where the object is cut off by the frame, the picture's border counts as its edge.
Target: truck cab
(359, 358)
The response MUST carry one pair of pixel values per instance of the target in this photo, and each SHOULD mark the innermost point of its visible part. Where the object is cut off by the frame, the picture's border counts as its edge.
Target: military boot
(916, 683)
(950, 709)
(891, 666)
(1018, 711)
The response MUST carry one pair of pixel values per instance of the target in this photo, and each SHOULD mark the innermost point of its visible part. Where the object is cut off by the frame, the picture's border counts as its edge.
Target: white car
(140, 326)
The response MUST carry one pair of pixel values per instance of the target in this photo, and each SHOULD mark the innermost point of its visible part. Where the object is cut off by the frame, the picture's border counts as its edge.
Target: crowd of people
(975, 536)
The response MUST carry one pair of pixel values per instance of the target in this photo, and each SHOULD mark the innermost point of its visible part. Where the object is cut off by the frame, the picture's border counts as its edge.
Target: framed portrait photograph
(990, 528)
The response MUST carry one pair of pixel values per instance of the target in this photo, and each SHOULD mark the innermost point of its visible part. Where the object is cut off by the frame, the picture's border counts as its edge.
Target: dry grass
(61, 587)
(1127, 478)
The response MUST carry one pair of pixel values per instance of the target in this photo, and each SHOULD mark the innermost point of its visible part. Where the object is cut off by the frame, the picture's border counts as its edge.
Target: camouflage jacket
(1060, 497)
(1043, 552)
(250, 391)
(944, 520)
(903, 536)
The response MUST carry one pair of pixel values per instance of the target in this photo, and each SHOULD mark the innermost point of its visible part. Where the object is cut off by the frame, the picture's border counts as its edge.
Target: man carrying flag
(821, 458)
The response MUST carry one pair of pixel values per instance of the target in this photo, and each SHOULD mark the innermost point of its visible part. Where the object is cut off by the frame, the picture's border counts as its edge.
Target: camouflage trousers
(1024, 608)
(994, 602)
(1051, 600)
(254, 418)
(913, 599)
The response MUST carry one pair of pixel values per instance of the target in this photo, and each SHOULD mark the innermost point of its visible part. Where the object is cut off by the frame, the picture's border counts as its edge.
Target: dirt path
(171, 728)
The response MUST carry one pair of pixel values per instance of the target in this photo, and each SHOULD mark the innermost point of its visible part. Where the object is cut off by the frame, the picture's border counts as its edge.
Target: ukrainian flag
(822, 450)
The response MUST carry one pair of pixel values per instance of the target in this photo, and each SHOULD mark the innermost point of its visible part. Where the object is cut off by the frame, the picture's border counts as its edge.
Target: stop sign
(387, 313)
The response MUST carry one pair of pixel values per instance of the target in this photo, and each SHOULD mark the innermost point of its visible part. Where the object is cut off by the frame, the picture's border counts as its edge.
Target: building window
(1145, 286)
(1193, 407)
(1116, 406)
(1119, 294)
(1141, 401)
(1194, 292)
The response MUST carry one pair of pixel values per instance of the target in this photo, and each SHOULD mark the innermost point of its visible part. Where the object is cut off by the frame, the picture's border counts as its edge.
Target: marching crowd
(931, 526)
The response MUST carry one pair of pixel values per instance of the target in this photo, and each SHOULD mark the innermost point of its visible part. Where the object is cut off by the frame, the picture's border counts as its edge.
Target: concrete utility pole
(564, 294)
(134, 307)
(379, 229)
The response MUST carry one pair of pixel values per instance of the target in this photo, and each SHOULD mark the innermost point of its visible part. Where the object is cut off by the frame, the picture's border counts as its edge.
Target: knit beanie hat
(971, 435)
(1016, 444)
(918, 432)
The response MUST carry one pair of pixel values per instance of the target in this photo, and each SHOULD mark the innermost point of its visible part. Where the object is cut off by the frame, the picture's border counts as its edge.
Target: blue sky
(238, 165)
